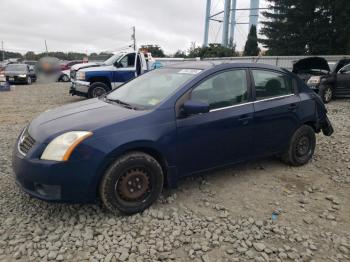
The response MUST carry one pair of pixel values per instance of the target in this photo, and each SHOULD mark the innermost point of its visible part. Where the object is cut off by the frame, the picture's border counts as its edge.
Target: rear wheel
(326, 94)
(301, 147)
(98, 89)
(132, 183)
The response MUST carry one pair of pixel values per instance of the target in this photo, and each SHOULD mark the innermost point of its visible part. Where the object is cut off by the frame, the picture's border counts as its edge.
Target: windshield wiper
(122, 103)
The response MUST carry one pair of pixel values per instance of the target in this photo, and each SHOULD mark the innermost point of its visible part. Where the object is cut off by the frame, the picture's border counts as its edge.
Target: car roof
(18, 64)
(203, 65)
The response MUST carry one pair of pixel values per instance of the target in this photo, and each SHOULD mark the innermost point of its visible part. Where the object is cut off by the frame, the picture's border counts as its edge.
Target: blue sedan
(165, 125)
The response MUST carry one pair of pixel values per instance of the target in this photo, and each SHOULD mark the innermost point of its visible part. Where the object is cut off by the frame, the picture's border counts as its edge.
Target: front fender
(99, 76)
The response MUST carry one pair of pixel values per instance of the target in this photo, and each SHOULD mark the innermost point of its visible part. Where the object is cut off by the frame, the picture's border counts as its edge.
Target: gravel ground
(258, 211)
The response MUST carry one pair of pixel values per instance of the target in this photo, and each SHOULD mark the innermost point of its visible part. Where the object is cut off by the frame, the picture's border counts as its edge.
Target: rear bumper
(327, 128)
(80, 88)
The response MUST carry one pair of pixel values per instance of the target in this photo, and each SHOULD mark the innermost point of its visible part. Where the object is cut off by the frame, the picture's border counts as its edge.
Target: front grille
(25, 143)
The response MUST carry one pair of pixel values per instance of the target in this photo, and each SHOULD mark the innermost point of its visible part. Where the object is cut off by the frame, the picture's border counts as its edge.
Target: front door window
(128, 61)
(222, 90)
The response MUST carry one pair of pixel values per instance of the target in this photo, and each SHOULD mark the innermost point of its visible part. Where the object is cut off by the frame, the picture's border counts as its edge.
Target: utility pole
(133, 37)
(47, 54)
(3, 52)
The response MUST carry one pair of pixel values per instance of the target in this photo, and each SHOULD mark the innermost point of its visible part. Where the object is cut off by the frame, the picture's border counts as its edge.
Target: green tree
(156, 50)
(8, 55)
(213, 50)
(30, 55)
(251, 46)
(180, 54)
(299, 27)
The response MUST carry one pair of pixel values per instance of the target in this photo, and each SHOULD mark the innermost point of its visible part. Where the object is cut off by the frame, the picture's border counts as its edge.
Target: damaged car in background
(328, 83)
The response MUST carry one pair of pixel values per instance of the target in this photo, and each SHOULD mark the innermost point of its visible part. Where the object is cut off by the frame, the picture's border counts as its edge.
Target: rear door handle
(292, 106)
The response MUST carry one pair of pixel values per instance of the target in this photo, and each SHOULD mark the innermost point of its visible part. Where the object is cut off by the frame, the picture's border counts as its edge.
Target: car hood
(89, 115)
(96, 68)
(84, 65)
(11, 73)
(316, 63)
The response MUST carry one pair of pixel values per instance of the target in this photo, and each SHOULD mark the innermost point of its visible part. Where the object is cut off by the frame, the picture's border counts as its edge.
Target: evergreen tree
(251, 46)
(314, 27)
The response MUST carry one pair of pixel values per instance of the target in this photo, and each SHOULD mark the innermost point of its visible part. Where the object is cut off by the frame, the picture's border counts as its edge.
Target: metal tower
(254, 13)
(229, 19)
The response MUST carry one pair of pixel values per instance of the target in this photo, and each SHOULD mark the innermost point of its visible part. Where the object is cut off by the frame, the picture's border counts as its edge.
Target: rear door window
(270, 84)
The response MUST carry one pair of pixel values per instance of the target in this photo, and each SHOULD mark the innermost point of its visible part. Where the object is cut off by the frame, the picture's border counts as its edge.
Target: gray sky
(101, 25)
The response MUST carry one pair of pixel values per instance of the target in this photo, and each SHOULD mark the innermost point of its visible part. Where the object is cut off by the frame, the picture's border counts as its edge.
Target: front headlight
(22, 75)
(81, 75)
(60, 148)
(314, 80)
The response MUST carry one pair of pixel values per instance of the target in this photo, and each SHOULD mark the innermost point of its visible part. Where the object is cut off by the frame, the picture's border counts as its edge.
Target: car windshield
(112, 59)
(16, 67)
(150, 89)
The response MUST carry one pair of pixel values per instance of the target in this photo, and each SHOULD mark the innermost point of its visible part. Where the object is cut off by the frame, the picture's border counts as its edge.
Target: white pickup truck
(93, 79)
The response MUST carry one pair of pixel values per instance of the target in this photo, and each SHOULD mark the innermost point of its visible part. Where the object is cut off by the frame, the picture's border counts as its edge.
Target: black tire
(132, 183)
(301, 147)
(97, 89)
(29, 80)
(65, 78)
(326, 93)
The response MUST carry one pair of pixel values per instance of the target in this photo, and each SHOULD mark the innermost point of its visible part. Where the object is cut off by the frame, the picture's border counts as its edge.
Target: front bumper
(315, 88)
(70, 181)
(80, 88)
(16, 80)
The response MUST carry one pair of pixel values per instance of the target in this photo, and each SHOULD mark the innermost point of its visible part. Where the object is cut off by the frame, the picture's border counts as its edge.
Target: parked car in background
(311, 66)
(163, 126)
(64, 76)
(335, 84)
(4, 85)
(93, 80)
(20, 74)
(32, 63)
(327, 82)
(68, 64)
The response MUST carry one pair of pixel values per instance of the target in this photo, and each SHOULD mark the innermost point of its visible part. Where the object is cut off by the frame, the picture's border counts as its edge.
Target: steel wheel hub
(328, 94)
(303, 146)
(133, 185)
(98, 91)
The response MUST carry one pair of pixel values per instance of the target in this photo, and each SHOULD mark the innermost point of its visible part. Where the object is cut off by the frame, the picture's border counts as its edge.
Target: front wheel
(97, 89)
(29, 80)
(65, 78)
(326, 94)
(301, 147)
(132, 183)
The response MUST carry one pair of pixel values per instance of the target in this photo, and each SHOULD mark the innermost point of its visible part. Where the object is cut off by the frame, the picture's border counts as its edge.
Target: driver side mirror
(118, 64)
(195, 107)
